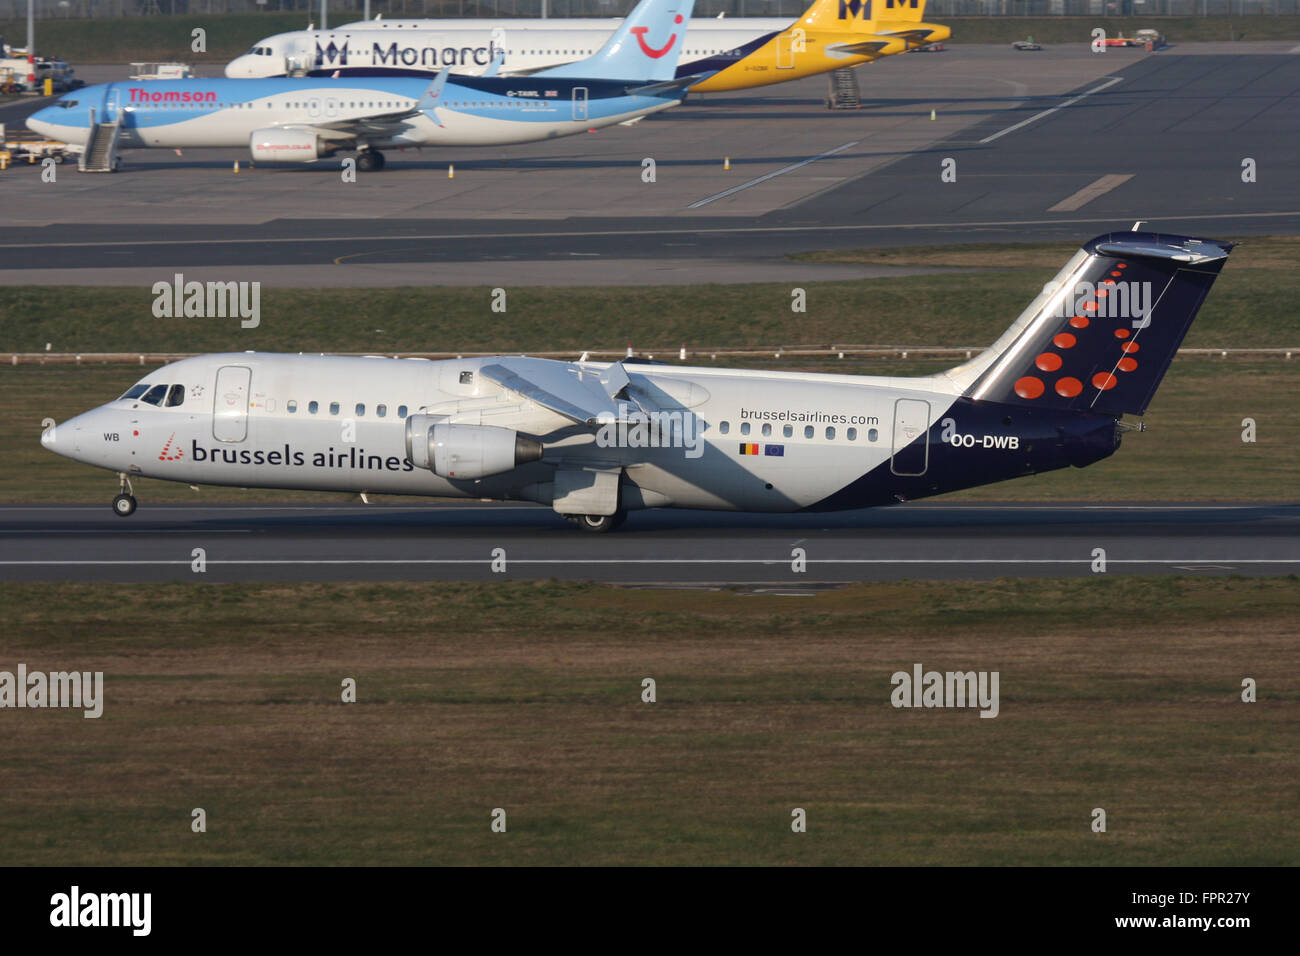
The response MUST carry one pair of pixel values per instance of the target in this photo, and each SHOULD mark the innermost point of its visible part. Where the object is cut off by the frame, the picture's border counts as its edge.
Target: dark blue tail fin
(1101, 335)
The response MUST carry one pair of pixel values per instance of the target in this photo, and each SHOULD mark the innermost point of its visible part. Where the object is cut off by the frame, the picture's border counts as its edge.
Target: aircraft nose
(239, 68)
(40, 121)
(67, 438)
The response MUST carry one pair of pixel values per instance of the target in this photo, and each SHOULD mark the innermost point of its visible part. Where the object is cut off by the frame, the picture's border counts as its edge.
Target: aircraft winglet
(495, 66)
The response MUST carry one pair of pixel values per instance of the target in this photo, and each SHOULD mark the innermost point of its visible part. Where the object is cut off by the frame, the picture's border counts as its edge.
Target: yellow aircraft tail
(859, 16)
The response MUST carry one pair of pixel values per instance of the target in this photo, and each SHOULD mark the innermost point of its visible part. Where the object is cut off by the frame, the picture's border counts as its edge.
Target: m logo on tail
(853, 8)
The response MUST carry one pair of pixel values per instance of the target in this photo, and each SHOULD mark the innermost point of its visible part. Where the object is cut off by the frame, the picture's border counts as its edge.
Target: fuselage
(749, 440)
(726, 54)
(225, 113)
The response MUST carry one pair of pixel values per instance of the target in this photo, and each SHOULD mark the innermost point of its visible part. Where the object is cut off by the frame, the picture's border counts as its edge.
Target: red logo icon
(168, 454)
(640, 32)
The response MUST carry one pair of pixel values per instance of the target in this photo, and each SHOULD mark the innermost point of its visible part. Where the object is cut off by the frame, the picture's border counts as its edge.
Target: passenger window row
(809, 431)
(381, 411)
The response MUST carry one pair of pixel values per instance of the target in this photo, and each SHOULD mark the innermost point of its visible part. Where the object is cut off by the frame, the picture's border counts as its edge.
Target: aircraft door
(580, 104)
(230, 403)
(910, 452)
(786, 46)
(112, 104)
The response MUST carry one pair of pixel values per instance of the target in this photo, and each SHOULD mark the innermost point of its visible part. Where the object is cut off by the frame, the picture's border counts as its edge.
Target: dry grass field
(1115, 693)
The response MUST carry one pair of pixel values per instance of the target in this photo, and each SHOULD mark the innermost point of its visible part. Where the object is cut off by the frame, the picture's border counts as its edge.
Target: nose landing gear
(124, 503)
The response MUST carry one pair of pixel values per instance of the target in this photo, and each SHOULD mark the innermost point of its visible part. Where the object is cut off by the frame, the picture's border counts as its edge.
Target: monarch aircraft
(302, 120)
(595, 440)
(734, 54)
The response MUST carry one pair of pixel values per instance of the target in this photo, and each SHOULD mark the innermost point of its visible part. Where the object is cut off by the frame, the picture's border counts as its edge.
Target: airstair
(844, 93)
(100, 154)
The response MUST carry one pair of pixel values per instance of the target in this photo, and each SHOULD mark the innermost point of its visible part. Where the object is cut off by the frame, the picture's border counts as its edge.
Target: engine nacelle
(467, 451)
(284, 146)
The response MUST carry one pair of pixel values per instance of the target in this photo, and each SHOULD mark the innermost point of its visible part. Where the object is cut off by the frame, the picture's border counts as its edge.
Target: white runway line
(685, 227)
(780, 172)
(1091, 191)
(1172, 562)
(1037, 116)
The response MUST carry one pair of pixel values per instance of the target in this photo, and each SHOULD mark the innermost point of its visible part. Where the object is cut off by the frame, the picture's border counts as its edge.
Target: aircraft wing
(588, 396)
(381, 125)
(681, 83)
(859, 48)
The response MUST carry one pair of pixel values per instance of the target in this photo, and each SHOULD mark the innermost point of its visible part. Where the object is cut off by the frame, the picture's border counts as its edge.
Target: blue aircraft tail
(645, 47)
(1101, 335)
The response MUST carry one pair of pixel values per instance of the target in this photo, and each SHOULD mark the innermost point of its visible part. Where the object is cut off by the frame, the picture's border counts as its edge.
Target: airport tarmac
(1056, 145)
(461, 541)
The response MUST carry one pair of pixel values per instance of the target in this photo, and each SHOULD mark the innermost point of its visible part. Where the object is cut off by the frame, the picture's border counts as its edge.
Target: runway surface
(462, 541)
(1051, 146)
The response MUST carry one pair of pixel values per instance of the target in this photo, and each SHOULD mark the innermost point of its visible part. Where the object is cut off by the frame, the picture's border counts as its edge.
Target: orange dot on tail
(677, 19)
(1127, 364)
(1102, 293)
(1117, 273)
(1121, 333)
(1090, 307)
(1048, 361)
(1107, 281)
(1104, 380)
(1069, 387)
(1130, 347)
(1079, 321)
(1122, 265)
(1029, 387)
(1064, 340)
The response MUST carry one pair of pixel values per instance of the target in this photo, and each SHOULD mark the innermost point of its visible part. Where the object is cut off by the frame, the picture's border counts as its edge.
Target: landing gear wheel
(124, 505)
(370, 161)
(599, 524)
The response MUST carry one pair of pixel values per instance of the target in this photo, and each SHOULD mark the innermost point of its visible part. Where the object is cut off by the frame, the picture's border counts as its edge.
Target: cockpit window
(66, 104)
(155, 395)
(176, 396)
(135, 391)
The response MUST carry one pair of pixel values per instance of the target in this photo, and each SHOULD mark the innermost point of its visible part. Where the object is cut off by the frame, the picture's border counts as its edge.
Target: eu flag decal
(774, 451)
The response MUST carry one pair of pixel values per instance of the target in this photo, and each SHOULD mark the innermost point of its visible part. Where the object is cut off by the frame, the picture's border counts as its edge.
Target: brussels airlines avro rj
(302, 120)
(596, 440)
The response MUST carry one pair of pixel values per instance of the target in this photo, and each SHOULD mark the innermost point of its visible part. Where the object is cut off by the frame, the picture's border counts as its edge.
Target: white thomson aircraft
(303, 120)
(596, 440)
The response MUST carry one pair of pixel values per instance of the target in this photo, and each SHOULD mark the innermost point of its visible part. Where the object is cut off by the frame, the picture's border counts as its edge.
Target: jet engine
(467, 451)
(284, 146)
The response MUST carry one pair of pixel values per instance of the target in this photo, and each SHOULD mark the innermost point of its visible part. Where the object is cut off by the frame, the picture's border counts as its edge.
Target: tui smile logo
(640, 32)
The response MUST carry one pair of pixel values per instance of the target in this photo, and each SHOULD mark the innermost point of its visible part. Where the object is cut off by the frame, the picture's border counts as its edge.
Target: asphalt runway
(1056, 145)
(460, 541)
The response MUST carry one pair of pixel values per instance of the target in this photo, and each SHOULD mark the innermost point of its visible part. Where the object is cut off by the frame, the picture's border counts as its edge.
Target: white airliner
(723, 55)
(596, 440)
(302, 120)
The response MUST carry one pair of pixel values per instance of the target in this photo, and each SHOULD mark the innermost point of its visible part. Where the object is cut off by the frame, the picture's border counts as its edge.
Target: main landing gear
(598, 524)
(370, 161)
(124, 503)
